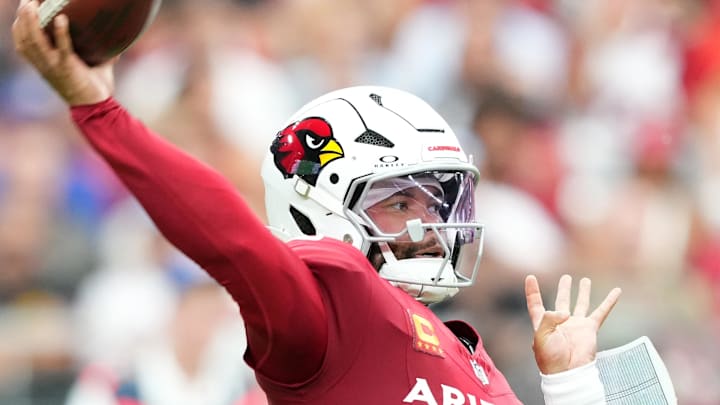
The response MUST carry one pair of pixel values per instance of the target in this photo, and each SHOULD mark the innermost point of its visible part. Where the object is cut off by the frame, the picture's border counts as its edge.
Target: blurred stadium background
(596, 124)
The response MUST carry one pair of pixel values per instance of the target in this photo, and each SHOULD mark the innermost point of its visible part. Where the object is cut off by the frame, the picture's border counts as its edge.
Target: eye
(400, 206)
(435, 209)
(314, 142)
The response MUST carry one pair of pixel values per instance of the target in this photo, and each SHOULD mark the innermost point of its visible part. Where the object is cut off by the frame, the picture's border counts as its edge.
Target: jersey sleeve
(201, 213)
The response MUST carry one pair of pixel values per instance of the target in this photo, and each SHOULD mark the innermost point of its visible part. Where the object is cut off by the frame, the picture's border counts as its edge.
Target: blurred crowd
(595, 124)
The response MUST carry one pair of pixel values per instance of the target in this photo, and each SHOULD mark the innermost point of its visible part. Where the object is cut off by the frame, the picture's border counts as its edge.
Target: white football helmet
(351, 149)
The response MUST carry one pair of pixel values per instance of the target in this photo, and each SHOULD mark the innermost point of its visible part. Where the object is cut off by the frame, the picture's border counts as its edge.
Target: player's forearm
(192, 205)
(203, 216)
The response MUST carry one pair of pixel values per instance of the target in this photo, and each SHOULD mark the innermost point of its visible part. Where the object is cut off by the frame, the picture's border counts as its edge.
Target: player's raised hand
(565, 340)
(71, 78)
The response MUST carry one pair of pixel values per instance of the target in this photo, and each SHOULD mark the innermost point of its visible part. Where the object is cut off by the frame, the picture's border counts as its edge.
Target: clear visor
(425, 215)
(431, 197)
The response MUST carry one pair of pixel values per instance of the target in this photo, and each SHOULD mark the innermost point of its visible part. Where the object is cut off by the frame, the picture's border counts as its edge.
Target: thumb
(550, 320)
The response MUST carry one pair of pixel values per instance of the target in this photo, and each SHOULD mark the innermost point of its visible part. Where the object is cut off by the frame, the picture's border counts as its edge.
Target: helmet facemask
(420, 230)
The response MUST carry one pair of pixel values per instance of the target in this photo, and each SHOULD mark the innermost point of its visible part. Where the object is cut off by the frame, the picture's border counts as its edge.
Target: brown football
(100, 29)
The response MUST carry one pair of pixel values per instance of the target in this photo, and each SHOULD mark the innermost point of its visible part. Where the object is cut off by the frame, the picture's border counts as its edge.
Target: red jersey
(323, 327)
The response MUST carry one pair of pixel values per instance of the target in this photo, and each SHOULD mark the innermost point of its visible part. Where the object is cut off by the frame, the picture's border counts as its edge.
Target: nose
(417, 232)
(430, 217)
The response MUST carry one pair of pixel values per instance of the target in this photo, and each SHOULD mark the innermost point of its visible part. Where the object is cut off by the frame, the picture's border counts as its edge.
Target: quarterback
(369, 198)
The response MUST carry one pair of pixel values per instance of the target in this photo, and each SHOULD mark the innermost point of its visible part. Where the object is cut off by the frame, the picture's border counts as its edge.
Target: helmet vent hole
(371, 137)
(303, 222)
(377, 99)
(334, 178)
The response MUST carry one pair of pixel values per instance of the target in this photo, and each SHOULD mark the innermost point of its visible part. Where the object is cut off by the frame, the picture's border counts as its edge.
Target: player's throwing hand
(565, 340)
(73, 80)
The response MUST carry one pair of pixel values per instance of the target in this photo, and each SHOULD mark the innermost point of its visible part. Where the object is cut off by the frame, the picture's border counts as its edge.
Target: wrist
(82, 98)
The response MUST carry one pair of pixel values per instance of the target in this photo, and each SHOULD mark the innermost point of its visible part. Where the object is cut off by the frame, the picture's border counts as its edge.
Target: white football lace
(49, 9)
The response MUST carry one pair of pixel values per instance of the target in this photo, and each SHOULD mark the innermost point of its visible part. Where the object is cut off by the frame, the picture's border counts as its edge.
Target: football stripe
(49, 9)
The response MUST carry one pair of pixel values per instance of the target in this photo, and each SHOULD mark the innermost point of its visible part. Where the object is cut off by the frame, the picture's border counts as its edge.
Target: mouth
(430, 253)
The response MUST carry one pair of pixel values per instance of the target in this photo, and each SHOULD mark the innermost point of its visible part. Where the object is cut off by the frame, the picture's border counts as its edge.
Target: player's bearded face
(391, 216)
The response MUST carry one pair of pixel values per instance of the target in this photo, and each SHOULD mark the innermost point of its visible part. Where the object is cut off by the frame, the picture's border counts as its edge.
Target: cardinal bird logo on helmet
(304, 148)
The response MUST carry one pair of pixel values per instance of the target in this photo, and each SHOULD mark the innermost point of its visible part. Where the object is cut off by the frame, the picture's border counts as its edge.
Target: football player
(369, 198)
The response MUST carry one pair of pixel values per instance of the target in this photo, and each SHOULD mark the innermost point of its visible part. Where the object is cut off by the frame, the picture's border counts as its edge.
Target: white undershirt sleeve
(578, 386)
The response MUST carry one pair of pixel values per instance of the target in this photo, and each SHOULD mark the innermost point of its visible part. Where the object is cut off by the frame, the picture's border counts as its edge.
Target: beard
(401, 250)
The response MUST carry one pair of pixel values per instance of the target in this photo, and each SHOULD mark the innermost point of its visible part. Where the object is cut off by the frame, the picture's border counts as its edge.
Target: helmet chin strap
(417, 276)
